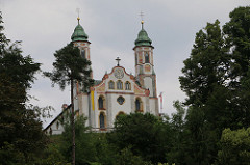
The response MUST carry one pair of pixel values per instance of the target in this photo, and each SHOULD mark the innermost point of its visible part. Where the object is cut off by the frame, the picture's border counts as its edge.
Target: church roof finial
(142, 38)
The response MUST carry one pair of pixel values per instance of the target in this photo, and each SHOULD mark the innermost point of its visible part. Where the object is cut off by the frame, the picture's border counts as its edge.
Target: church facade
(118, 92)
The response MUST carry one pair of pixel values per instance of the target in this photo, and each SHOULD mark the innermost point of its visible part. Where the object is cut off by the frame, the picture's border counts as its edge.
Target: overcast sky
(47, 25)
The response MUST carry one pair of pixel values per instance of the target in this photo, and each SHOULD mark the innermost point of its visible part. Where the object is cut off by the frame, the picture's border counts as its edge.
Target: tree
(207, 65)
(205, 83)
(21, 126)
(216, 81)
(238, 38)
(178, 136)
(144, 133)
(70, 68)
(235, 147)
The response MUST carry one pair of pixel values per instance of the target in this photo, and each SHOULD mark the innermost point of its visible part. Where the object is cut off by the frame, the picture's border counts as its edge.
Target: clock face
(119, 73)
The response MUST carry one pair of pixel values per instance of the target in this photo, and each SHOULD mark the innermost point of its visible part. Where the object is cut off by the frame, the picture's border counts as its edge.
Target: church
(118, 92)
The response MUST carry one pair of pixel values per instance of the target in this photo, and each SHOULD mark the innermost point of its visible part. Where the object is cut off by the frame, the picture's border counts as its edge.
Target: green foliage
(144, 133)
(207, 65)
(51, 154)
(235, 147)
(238, 38)
(21, 136)
(69, 65)
(10, 156)
(127, 158)
(216, 81)
(71, 69)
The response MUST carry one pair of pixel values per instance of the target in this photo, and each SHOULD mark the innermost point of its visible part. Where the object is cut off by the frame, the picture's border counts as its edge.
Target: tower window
(146, 57)
(101, 102)
(111, 85)
(119, 84)
(83, 53)
(102, 120)
(127, 86)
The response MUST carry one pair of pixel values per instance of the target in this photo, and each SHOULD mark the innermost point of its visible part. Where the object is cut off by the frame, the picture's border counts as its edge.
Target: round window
(120, 100)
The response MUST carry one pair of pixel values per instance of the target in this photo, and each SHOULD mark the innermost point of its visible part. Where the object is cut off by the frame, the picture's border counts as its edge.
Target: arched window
(146, 57)
(138, 105)
(127, 86)
(83, 53)
(119, 84)
(111, 85)
(101, 102)
(102, 120)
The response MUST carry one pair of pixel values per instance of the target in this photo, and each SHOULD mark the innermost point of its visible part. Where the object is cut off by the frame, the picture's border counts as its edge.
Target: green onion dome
(79, 34)
(142, 38)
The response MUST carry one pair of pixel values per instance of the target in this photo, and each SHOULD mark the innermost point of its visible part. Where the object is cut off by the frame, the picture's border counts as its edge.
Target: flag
(160, 96)
(93, 99)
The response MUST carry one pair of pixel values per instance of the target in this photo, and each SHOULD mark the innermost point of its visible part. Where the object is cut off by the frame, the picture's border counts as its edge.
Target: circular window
(120, 100)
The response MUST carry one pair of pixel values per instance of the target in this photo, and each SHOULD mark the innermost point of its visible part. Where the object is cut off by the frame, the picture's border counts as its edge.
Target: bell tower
(80, 40)
(144, 65)
(82, 96)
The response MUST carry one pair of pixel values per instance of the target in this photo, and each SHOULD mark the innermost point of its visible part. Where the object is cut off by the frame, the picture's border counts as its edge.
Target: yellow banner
(93, 100)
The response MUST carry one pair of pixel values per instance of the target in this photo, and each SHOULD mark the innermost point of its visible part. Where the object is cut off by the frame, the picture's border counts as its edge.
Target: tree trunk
(73, 122)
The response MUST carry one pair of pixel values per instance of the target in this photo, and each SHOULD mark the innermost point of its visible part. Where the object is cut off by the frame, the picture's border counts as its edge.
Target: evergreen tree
(70, 68)
(207, 66)
(216, 81)
(238, 38)
(204, 80)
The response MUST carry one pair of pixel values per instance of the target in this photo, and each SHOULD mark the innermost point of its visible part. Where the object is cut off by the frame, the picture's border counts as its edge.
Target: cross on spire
(142, 21)
(118, 60)
(142, 15)
(78, 11)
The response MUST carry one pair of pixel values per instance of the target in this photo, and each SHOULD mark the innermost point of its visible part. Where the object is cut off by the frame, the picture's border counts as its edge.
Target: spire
(142, 38)
(79, 34)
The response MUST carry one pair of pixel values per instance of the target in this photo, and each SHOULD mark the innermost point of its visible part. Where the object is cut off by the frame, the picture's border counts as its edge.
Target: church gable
(100, 87)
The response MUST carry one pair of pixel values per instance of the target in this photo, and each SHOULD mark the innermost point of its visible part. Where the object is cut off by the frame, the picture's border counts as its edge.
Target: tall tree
(204, 80)
(207, 65)
(70, 68)
(20, 125)
(238, 38)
